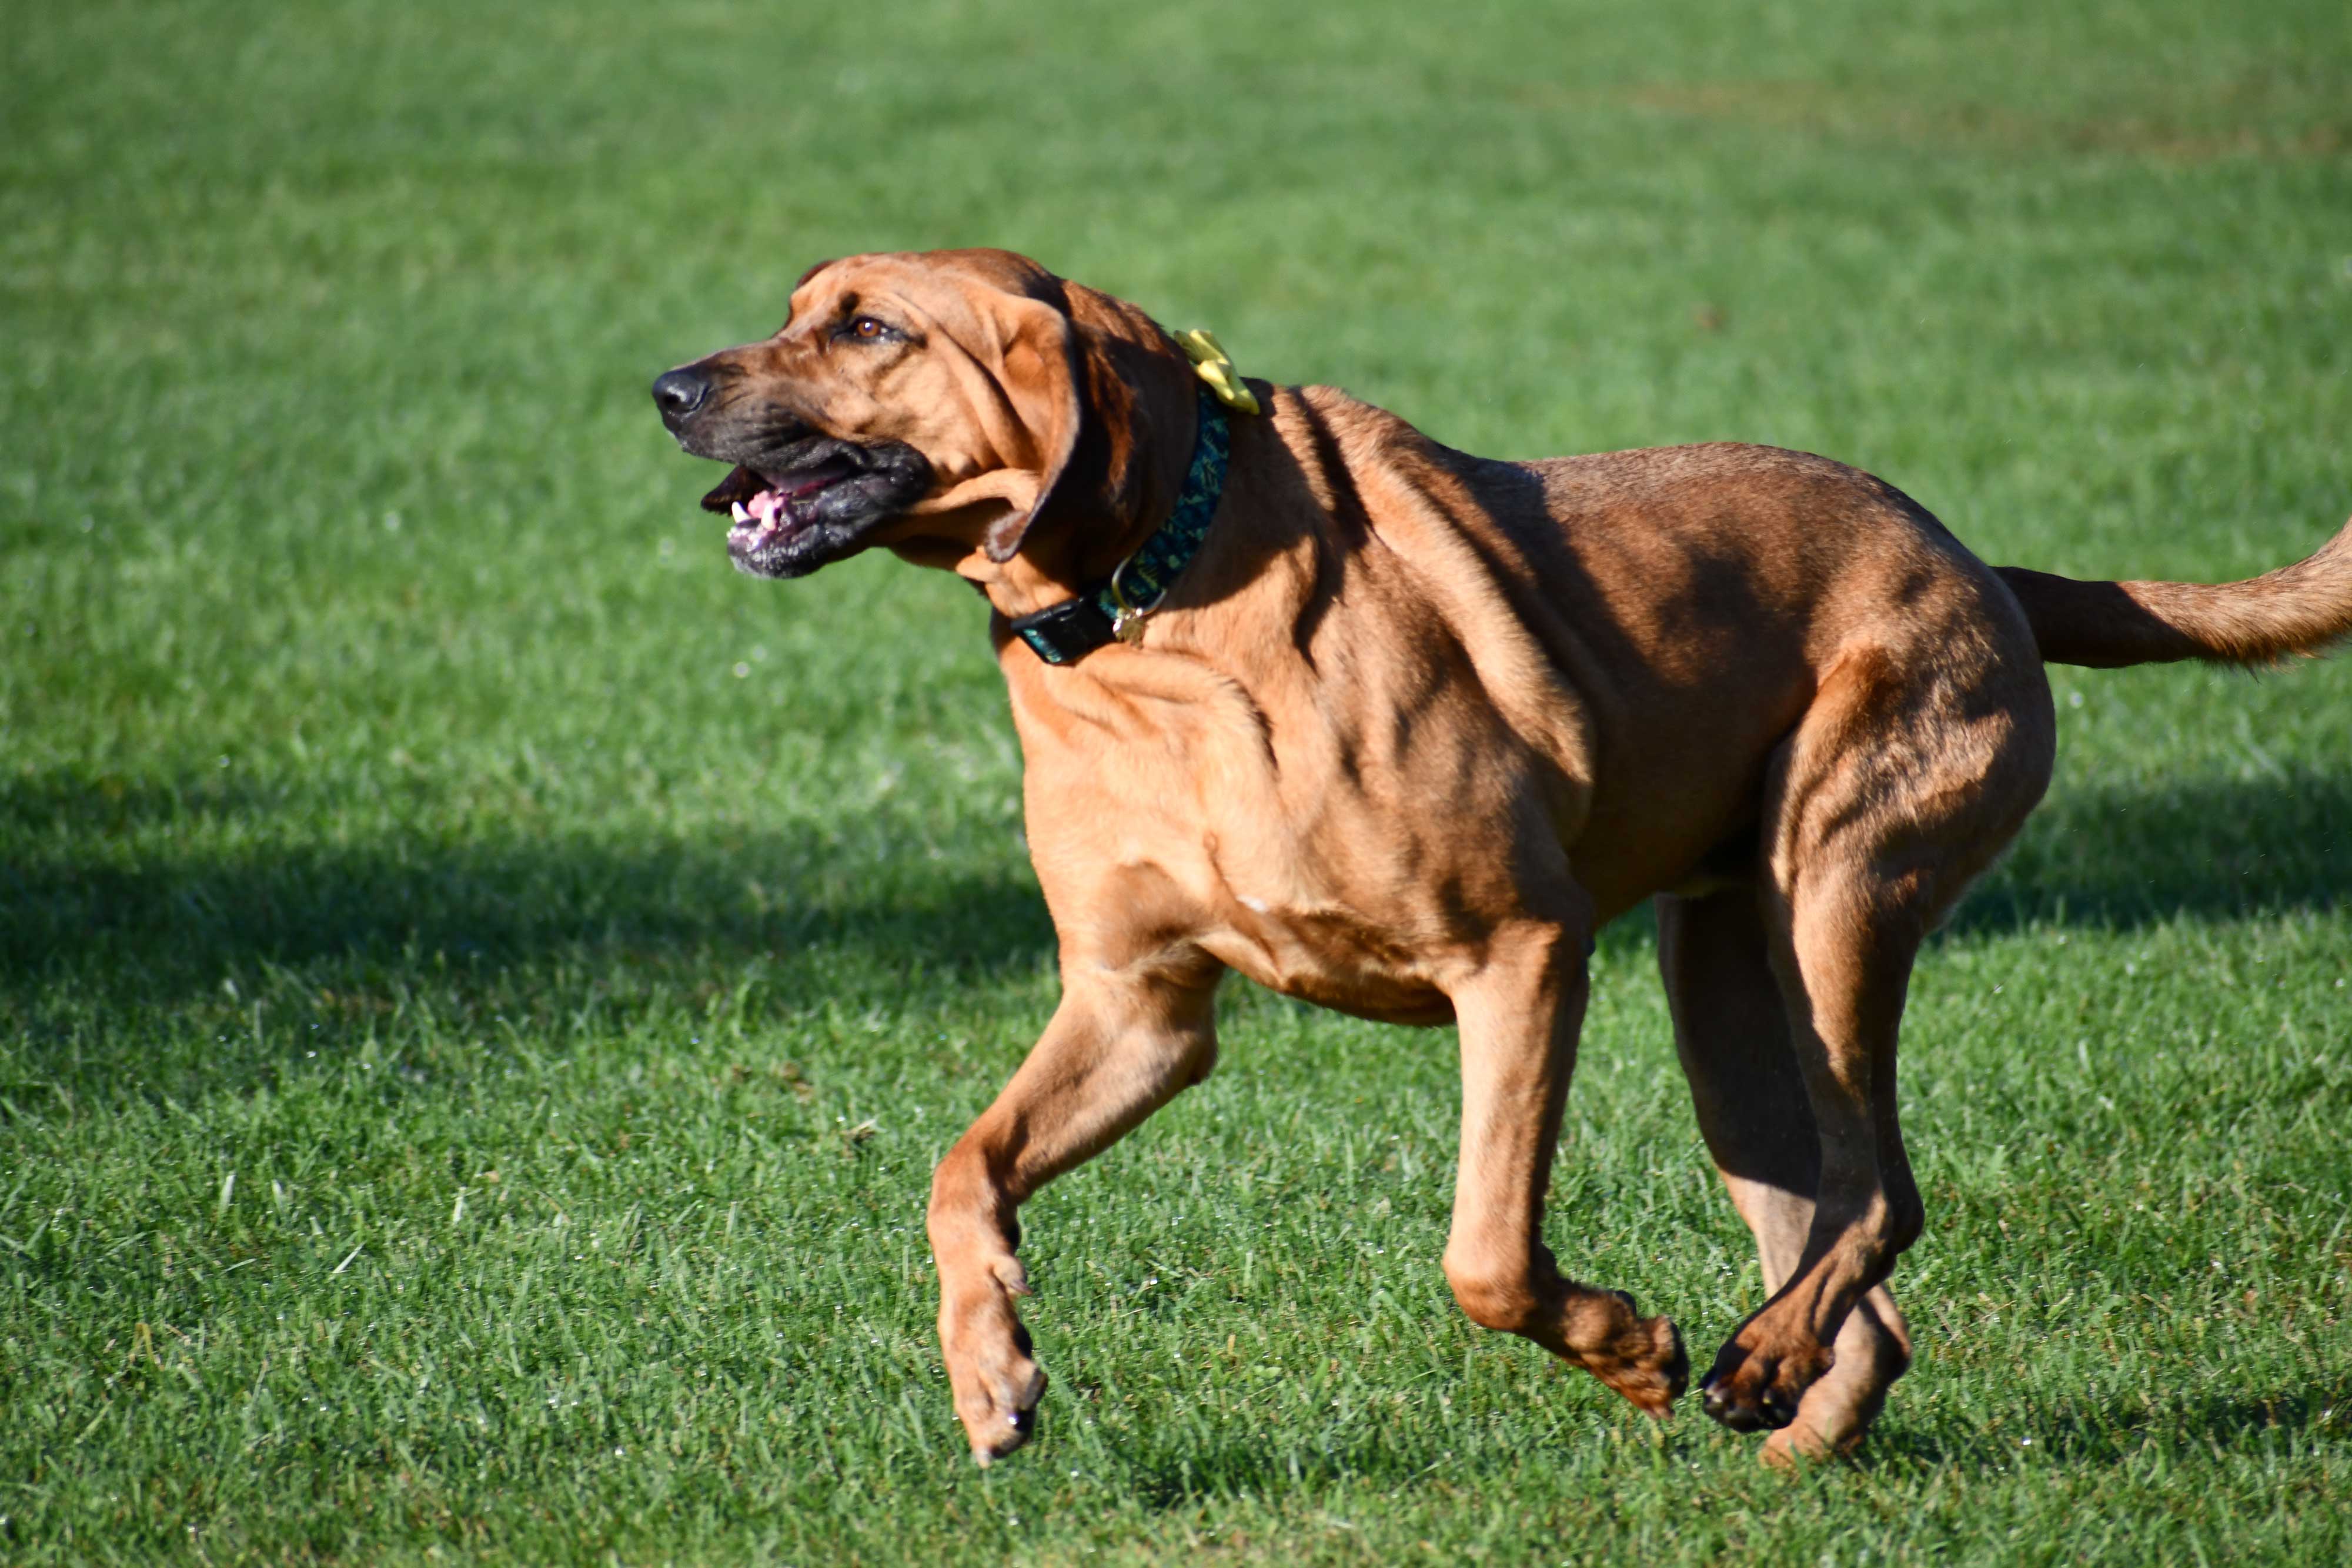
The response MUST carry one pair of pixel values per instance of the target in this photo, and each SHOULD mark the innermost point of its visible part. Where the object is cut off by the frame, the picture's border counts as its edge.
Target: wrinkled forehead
(957, 290)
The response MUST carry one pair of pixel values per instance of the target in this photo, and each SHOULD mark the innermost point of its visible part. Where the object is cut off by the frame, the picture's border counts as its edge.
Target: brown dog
(1406, 730)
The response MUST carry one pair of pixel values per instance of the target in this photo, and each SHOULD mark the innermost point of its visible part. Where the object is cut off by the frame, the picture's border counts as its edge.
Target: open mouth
(814, 502)
(769, 516)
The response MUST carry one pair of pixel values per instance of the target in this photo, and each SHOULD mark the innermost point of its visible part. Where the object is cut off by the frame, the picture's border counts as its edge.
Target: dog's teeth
(742, 513)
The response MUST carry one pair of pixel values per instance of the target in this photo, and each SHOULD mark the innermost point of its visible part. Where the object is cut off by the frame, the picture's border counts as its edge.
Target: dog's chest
(1363, 876)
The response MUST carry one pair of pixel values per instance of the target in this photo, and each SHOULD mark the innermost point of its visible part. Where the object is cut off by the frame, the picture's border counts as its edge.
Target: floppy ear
(1096, 386)
(1043, 378)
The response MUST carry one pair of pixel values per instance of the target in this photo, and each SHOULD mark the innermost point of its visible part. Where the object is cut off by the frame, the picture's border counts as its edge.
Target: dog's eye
(865, 329)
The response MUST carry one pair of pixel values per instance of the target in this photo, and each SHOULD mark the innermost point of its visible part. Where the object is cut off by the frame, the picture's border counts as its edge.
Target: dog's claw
(1749, 1392)
(1004, 1417)
(1020, 1426)
(1717, 1400)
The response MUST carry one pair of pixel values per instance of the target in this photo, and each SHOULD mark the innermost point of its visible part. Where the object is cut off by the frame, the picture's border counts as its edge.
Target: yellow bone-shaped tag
(1215, 366)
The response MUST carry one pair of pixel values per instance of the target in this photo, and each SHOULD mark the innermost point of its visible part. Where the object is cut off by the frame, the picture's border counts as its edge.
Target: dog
(1396, 729)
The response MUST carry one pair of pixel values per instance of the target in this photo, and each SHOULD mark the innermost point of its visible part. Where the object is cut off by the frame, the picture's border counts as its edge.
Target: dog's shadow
(870, 902)
(2086, 1437)
(102, 945)
(2116, 1431)
(2122, 857)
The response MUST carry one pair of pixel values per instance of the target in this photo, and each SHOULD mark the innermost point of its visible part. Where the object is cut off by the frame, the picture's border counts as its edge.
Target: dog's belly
(1333, 958)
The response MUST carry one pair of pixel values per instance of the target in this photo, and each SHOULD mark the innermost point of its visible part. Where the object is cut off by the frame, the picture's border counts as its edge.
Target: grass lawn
(482, 984)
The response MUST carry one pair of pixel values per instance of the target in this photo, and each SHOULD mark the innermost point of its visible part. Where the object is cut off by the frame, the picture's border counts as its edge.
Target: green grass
(482, 984)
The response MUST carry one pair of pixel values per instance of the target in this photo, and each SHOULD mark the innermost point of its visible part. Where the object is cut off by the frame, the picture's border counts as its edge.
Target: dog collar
(1113, 610)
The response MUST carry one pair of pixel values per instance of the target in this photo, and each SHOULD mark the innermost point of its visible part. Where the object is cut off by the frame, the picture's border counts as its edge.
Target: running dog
(1396, 729)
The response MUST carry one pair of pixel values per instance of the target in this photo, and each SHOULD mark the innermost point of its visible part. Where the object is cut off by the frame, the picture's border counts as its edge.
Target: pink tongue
(762, 509)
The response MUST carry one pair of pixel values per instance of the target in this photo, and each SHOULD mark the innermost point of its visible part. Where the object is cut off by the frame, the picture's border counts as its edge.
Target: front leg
(1120, 1045)
(1519, 1018)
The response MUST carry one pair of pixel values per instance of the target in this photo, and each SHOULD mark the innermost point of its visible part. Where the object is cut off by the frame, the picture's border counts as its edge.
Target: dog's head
(942, 404)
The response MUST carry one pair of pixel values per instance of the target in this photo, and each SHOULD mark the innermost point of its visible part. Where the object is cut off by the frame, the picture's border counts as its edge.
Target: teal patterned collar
(1113, 610)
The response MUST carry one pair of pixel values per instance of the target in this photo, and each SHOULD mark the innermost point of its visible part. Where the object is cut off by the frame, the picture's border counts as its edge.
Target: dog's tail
(2298, 609)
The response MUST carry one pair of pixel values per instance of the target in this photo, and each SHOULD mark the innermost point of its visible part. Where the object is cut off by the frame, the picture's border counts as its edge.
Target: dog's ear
(1096, 384)
(1042, 369)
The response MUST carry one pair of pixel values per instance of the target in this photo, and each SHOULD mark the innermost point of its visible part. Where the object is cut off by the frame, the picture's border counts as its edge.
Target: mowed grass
(482, 985)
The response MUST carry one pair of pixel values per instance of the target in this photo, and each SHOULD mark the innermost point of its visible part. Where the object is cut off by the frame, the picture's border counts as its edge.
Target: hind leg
(1731, 1029)
(1842, 973)
(1907, 775)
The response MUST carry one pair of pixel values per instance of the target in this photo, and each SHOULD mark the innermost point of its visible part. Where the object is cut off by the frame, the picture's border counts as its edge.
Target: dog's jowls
(1409, 728)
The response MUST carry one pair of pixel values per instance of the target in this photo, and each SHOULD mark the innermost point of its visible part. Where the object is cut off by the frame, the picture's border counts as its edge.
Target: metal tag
(1128, 626)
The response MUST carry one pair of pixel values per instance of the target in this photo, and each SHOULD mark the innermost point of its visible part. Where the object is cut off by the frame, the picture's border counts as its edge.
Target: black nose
(678, 393)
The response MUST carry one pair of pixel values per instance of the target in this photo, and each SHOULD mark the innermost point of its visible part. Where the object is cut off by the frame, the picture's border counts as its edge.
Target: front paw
(997, 1382)
(1640, 1358)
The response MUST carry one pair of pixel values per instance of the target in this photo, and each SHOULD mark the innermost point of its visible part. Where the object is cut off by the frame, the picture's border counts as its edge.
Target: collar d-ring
(1127, 617)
